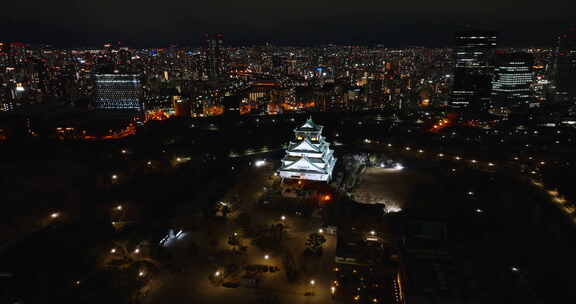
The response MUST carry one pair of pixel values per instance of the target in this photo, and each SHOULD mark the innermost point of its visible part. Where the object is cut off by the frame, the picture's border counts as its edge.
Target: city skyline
(301, 152)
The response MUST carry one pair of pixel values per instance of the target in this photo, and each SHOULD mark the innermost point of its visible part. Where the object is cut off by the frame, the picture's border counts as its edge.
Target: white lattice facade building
(310, 156)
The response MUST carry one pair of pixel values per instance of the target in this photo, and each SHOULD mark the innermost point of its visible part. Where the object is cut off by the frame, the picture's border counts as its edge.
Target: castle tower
(310, 156)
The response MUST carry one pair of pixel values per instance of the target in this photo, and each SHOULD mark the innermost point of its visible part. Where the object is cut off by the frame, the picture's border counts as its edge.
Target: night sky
(392, 23)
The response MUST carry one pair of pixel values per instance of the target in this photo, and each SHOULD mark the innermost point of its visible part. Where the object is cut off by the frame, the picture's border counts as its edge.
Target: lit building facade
(473, 69)
(565, 67)
(310, 156)
(214, 57)
(513, 77)
(118, 92)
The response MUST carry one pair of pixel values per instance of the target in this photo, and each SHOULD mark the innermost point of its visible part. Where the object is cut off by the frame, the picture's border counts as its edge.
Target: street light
(55, 215)
(217, 274)
(141, 274)
(266, 257)
(312, 282)
(372, 232)
(119, 207)
(515, 269)
(320, 230)
(137, 251)
(283, 218)
(479, 211)
(114, 177)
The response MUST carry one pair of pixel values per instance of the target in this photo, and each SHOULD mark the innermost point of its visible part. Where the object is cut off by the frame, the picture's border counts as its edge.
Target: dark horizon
(147, 25)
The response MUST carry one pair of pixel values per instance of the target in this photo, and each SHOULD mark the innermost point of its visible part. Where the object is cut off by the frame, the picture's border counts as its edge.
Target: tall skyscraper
(512, 79)
(214, 56)
(473, 52)
(565, 67)
(118, 92)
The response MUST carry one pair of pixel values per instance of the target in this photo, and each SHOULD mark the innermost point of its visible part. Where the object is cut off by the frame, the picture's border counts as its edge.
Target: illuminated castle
(310, 157)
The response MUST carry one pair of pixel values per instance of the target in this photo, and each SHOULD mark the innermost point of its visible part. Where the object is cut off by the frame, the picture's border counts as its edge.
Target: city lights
(399, 167)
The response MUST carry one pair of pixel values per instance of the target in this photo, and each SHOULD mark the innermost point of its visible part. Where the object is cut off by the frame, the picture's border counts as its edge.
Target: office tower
(512, 79)
(118, 92)
(214, 57)
(473, 52)
(565, 67)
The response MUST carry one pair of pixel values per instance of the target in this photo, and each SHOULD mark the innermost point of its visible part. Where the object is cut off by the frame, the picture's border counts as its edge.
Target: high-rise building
(565, 67)
(473, 52)
(214, 56)
(118, 92)
(513, 77)
(310, 157)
